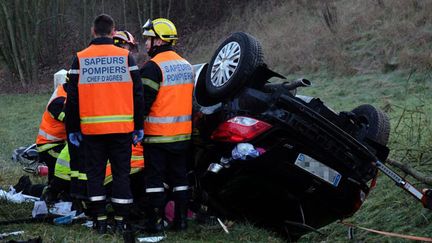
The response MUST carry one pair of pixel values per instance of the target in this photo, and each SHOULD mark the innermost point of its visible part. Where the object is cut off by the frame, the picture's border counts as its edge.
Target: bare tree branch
(411, 171)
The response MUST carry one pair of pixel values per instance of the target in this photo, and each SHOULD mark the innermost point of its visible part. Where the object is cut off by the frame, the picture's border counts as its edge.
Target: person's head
(159, 32)
(103, 26)
(124, 39)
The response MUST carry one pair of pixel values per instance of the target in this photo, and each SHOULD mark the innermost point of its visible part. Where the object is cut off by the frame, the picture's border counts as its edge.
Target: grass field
(387, 208)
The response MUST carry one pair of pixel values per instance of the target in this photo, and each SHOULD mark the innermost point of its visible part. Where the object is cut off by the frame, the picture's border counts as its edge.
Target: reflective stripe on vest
(104, 119)
(50, 129)
(166, 139)
(49, 136)
(168, 119)
(105, 90)
(170, 114)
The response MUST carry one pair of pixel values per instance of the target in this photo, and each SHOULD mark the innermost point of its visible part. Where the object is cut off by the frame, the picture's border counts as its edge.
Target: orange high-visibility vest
(137, 162)
(105, 90)
(171, 112)
(50, 129)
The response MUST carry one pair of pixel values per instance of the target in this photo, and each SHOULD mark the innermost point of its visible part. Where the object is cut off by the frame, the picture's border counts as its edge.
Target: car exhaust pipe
(301, 82)
(290, 86)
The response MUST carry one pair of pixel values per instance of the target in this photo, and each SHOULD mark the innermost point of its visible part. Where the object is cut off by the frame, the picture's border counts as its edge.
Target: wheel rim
(225, 64)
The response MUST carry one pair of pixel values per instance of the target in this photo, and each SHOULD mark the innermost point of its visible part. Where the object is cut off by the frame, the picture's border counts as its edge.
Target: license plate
(318, 169)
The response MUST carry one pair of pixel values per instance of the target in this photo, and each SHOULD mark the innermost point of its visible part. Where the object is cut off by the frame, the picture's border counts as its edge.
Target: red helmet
(124, 37)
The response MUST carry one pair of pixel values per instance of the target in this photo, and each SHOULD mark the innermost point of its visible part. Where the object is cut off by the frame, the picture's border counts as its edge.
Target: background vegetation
(354, 52)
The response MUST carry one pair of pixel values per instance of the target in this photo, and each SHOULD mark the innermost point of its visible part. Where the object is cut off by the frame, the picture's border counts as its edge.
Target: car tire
(378, 123)
(233, 65)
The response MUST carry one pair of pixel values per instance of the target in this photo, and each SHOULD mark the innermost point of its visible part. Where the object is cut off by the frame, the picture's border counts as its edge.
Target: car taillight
(239, 129)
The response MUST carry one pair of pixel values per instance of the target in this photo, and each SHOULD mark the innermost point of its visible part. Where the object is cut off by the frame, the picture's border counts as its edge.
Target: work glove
(137, 136)
(75, 138)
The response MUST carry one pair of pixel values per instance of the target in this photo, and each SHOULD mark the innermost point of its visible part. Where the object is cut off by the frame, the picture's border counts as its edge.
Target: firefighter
(168, 84)
(52, 134)
(104, 108)
(124, 39)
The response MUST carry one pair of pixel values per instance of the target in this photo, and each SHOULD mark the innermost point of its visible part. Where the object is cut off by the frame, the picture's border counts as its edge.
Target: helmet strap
(152, 49)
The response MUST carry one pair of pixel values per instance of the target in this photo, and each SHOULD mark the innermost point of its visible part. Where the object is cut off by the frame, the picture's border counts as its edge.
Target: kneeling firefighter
(51, 137)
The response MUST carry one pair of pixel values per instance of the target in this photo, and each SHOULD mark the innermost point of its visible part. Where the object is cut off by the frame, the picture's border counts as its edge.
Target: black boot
(180, 217)
(100, 225)
(155, 223)
(23, 185)
(49, 195)
(121, 227)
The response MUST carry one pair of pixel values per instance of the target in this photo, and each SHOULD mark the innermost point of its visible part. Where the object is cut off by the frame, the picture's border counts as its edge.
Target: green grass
(387, 207)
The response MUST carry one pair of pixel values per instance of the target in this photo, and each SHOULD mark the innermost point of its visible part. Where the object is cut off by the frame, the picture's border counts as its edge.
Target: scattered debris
(223, 226)
(3, 235)
(39, 208)
(13, 196)
(62, 208)
(151, 238)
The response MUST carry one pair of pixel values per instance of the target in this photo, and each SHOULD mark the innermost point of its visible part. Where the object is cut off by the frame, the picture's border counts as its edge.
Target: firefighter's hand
(427, 198)
(75, 138)
(137, 136)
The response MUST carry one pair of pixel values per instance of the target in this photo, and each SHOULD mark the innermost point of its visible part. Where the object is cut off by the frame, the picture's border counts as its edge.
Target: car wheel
(378, 123)
(233, 65)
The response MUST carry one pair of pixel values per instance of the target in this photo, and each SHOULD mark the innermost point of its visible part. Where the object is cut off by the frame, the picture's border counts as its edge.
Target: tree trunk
(169, 9)
(124, 15)
(151, 8)
(139, 13)
(11, 33)
(160, 8)
(84, 30)
(411, 171)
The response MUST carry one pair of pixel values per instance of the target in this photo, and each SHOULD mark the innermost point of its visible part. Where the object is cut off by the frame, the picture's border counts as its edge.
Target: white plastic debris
(151, 238)
(13, 196)
(244, 151)
(223, 225)
(62, 208)
(3, 235)
(88, 224)
(39, 208)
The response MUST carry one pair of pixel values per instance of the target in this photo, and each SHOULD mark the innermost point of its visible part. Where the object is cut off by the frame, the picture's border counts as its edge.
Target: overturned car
(266, 154)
